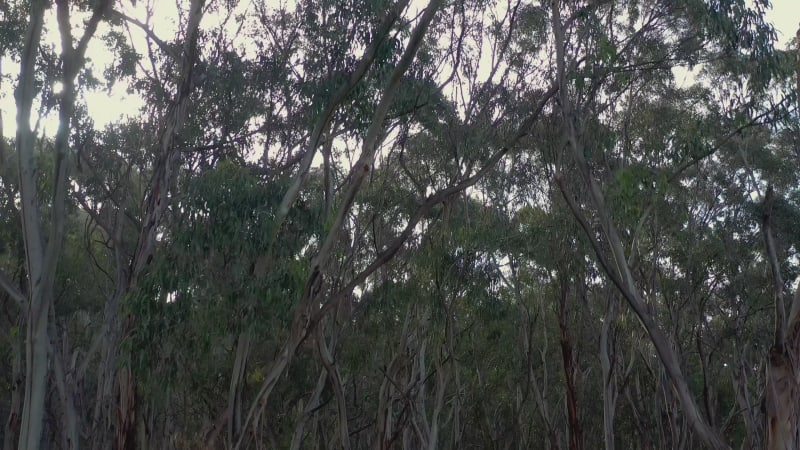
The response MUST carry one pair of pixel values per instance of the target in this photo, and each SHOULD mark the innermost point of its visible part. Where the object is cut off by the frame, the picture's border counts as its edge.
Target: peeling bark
(782, 390)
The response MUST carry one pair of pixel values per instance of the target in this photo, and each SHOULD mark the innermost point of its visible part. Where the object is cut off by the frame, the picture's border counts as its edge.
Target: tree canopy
(388, 224)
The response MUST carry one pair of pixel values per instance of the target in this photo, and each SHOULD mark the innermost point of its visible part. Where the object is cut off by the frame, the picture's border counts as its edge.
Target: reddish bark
(570, 371)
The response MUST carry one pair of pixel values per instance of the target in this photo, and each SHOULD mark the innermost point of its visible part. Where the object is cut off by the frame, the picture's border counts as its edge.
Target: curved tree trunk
(620, 272)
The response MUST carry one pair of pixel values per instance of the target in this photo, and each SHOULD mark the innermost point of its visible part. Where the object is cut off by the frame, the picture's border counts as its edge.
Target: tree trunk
(782, 390)
(36, 368)
(781, 401)
(570, 372)
(70, 421)
(311, 406)
(782, 396)
(126, 410)
(235, 390)
(36, 331)
(608, 363)
(621, 276)
(42, 253)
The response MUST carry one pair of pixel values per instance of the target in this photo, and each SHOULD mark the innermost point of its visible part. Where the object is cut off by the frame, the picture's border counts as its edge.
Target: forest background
(392, 224)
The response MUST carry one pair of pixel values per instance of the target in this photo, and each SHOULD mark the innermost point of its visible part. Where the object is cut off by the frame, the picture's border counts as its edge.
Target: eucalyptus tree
(328, 117)
(43, 239)
(731, 33)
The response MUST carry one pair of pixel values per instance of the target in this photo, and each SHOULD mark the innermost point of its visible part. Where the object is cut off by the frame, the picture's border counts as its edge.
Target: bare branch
(7, 283)
(164, 46)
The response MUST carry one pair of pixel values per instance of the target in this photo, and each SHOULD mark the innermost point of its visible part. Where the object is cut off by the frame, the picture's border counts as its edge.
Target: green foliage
(126, 58)
(494, 306)
(216, 275)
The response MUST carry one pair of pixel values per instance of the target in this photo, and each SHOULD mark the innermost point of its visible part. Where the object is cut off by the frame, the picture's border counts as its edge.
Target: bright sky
(785, 16)
(107, 107)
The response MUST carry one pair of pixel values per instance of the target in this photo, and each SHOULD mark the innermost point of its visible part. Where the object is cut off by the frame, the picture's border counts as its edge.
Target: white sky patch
(104, 107)
(116, 104)
(785, 16)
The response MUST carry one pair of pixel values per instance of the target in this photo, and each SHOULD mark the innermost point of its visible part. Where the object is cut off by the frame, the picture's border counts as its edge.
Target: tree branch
(777, 280)
(164, 46)
(7, 283)
(324, 119)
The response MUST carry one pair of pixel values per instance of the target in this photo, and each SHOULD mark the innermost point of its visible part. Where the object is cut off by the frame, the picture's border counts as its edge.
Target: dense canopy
(386, 224)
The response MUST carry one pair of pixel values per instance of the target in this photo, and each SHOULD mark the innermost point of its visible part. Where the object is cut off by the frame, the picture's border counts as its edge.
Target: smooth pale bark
(73, 61)
(42, 254)
(782, 391)
(625, 283)
(705, 362)
(456, 400)
(383, 420)
(36, 331)
(753, 439)
(441, 387)
(781, 402)
(168, 153)
(533, 385)
(69, 420)
(364, 165)
(417, 375)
